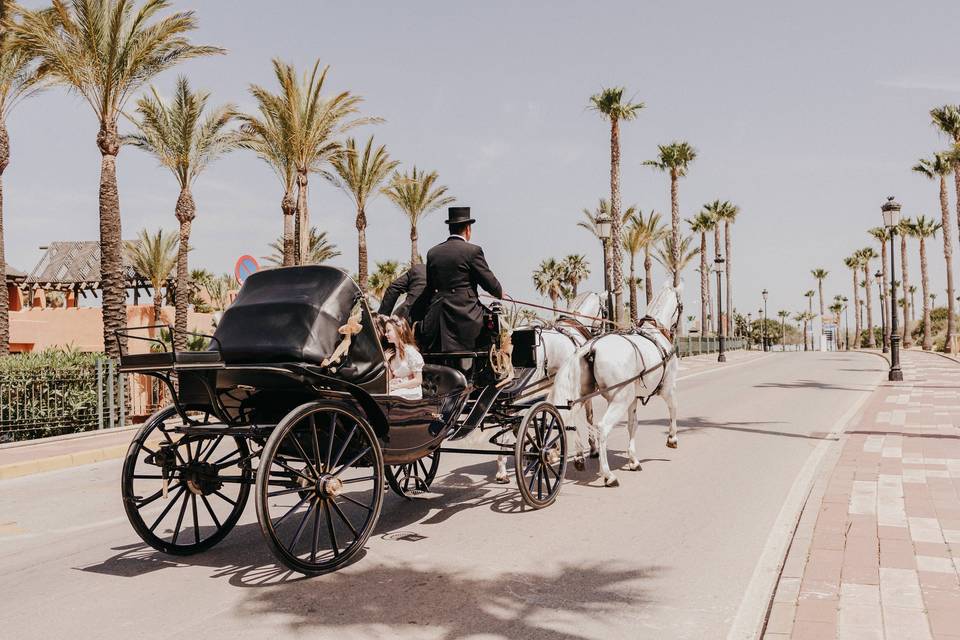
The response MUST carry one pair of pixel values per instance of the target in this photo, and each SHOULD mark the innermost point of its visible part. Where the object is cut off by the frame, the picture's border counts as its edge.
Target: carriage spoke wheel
(183, 493)
(540, 455)
(319, 487)
(413, 478)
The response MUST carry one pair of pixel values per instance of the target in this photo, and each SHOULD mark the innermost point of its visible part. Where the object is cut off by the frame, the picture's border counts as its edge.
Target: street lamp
(883, 310)
(766, 347)
(891, 219)
(604, 224)
(718, 267)
(846, 325)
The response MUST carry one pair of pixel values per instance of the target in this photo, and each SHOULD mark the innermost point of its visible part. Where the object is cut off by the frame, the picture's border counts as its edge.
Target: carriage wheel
(183, 493)
(540, 455)
(413, 478)
(319, 487)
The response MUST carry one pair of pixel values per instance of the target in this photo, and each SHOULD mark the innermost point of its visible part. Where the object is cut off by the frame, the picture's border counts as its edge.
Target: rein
(546, 308)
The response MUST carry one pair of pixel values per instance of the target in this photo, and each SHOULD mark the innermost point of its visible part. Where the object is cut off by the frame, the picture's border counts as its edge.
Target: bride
(405, 362)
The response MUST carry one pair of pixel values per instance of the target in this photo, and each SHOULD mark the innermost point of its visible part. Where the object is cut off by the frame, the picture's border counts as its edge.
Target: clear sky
(807, 116)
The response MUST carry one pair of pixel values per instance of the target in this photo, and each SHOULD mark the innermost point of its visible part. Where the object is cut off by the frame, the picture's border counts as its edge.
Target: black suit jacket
(454, 319)
(413, 283)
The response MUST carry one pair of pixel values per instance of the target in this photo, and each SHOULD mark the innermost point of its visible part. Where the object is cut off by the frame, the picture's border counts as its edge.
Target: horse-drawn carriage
(292, 399)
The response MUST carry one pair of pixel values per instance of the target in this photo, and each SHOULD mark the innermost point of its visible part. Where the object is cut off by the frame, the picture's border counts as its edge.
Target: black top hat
(459, 215)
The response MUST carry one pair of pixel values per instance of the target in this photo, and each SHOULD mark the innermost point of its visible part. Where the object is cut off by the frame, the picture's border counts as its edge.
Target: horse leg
(576, 418)
(632, 463)
(616, 411)
(588, 409)
(502, 477)
(669, 395)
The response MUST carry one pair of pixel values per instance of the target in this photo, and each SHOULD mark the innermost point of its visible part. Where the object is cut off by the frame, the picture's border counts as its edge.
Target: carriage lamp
(891, 219)
(603, 227)
(718, 267)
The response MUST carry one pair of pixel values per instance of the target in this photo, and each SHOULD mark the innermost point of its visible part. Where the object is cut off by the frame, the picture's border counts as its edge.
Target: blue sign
(245, 266)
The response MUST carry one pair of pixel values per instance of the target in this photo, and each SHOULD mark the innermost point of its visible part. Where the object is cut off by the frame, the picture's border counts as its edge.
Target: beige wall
(82, 328)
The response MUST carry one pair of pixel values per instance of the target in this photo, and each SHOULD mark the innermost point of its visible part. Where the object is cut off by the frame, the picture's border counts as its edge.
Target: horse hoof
(502, 478)
(611, 482)
(633, 466)
(594, 453)
(579, 464)
(672, 443)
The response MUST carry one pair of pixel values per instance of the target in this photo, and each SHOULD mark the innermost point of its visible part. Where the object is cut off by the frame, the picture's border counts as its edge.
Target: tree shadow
(406, 600)
(805, 384)
(696, 424)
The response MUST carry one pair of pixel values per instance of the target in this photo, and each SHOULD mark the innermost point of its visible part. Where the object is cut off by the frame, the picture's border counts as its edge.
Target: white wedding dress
(405, 368)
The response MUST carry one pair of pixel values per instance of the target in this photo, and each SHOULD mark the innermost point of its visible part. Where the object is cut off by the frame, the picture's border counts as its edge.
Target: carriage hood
(293, 314)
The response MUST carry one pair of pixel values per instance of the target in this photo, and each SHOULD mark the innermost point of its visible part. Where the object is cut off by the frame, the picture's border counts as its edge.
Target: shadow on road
(696, 424)
(806, 384)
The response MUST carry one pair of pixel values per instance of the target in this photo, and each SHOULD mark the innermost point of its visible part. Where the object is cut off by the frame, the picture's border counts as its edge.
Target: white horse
(624, 368)
(557, 345)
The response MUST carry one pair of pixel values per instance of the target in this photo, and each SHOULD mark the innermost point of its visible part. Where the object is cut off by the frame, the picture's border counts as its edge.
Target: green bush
(47, 393)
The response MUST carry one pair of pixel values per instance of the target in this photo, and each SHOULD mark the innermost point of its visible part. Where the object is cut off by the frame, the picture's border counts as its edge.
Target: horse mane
(664, 305)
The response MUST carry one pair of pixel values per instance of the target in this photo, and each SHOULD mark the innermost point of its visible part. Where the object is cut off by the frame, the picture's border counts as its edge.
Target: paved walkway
(876, 553)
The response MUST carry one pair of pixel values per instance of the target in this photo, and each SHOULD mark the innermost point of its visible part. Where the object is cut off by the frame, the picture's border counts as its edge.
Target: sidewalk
(60, 453)
(876, 553)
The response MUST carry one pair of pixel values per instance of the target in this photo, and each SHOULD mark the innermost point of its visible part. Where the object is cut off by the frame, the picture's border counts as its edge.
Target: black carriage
(318, 438)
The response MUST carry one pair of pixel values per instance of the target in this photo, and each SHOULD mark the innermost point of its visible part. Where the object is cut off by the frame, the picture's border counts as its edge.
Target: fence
(695, 345)
(50, 401)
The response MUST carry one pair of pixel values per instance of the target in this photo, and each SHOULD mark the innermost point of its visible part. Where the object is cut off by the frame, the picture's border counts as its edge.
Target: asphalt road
(668, 554)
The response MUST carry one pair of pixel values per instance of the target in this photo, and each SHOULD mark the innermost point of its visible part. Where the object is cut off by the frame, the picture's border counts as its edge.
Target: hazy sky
(807, 117)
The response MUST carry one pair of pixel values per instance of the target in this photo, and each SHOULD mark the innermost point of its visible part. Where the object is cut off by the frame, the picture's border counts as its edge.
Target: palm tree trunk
(726, 276)
(303, 218)
(553, 302)
(675, 224)
(111, 244)
(4, 297)
(927, 337)
(289, 207)
(704, 277)
(907, 340)
(617, 243)
(856, 310)
(648, 274)
(948, 257)
(362, 248)
(634, 317)
(158, 306)
(186, 212)
(414, 253)
(871, 341)
(884, 304)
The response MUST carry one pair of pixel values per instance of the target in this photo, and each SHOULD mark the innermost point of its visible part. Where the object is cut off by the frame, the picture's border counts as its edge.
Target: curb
(67, 436)
(63, 461)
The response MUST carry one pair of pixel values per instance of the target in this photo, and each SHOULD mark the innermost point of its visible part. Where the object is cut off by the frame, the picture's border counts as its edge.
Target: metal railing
(57, 401)
(696, 345)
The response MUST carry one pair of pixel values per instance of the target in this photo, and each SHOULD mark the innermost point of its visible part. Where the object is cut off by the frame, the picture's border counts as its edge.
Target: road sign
(245, 266)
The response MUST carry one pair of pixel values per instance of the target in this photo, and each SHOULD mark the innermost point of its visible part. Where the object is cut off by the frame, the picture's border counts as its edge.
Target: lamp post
(846, 325)
(718, 267)
(883, 310)
(891, 219)
(603, 230)
(766, 346)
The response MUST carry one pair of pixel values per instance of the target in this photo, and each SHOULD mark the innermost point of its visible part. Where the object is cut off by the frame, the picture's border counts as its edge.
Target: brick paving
(876, 553)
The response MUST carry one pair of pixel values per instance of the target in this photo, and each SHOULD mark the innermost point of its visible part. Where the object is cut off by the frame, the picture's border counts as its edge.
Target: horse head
(666, 308)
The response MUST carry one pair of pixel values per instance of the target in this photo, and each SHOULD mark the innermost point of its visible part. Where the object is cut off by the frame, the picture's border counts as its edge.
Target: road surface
(668, 554)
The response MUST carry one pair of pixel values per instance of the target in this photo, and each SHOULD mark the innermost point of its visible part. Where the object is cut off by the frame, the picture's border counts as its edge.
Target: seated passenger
(405, 362)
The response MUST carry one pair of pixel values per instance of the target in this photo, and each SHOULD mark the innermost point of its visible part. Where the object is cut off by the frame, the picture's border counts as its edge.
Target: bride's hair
(404, 333)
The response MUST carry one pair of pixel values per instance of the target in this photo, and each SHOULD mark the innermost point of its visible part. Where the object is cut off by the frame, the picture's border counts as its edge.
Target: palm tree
(609, 103)
(577, 269)
(20, 78)
(319, 251)
(416, 194)
(675, 260)
(783, 315)
(937, 168)
(312, 122)
(550, 279)
(674, 159)
(383, 276)
(703, 223)
(154, 257)
(837, 308)
(820, 275)
(809, 296)
(913, 305)
(947, 120)
(728, 215)
(105, 50)
(905, 229)
(635, 239)
(866, 255)
(185, 141)
(925, 228)
(853, 263)
(360, 175)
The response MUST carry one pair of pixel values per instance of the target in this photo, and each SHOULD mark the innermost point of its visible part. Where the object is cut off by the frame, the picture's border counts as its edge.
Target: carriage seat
(439, 381)
(166, 359)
